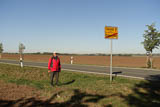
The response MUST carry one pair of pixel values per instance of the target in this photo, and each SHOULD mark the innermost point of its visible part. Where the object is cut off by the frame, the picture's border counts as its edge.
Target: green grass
(85, 89)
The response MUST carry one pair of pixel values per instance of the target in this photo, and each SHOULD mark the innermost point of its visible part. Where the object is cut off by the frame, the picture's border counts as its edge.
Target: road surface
(139, 73)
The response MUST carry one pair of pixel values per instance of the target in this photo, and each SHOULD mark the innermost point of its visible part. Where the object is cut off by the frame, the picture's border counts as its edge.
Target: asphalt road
(149, 74)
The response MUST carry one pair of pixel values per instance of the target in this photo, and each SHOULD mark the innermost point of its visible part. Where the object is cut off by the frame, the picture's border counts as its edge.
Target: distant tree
(1, 50)
(38, 53)
(151, 41)
(21, 49)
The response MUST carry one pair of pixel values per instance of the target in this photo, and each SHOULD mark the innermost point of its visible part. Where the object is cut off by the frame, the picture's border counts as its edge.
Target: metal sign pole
(111, 33)
(111, 63)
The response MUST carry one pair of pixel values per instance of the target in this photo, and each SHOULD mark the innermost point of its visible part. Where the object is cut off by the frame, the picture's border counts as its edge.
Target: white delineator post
(111, 63)
(71, 59)
(21, 62)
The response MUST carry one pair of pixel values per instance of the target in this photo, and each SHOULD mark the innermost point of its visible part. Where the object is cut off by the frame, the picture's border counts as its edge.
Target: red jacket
(54, 64)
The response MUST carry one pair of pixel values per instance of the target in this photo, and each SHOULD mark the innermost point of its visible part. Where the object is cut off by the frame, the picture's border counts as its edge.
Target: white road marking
(79, 71)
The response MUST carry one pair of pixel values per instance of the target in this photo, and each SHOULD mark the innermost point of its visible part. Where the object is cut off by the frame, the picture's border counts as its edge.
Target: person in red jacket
(54, 67)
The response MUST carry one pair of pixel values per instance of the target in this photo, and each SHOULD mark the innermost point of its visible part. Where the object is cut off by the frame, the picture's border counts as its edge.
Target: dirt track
(120, 61)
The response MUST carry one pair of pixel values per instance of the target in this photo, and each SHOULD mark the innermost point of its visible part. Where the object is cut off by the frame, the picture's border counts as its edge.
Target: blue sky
(76, 26)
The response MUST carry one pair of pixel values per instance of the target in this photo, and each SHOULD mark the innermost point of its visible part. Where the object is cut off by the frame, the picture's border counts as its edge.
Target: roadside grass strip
(87, 90)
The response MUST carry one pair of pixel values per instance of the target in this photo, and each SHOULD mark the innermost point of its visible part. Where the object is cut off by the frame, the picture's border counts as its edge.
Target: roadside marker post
(21, 62)
(71, 59)
(111, 33)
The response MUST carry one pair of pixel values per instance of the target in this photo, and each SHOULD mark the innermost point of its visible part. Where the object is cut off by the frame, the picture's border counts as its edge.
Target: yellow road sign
(111, 32)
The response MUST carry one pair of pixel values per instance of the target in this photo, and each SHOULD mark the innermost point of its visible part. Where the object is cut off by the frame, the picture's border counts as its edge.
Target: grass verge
(84, 89)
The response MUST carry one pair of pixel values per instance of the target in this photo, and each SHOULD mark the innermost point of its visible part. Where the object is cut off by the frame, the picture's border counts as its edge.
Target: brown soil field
(12, 95)
(118, 61)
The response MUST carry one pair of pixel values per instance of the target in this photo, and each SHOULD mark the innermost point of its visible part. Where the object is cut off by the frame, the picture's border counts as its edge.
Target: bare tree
(21, 50)
(1, 50)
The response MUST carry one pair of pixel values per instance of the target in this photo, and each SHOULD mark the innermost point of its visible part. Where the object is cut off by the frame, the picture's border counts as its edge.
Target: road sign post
(111, 33)
(111, 63)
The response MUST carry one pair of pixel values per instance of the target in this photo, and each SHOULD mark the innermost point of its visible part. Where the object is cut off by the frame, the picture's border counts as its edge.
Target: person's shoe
(52, 84)
(57, 84)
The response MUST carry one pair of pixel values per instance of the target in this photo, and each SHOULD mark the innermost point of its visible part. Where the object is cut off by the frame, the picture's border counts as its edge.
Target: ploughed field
(118, 61)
